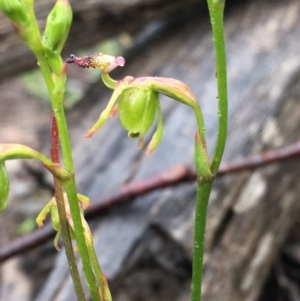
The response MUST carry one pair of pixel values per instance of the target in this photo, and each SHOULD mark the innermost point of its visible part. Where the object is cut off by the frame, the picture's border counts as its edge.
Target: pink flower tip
(120, 61)
(115, 62)
(89, 134)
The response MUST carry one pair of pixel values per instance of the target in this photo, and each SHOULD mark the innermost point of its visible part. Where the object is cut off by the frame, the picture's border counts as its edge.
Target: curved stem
(108, 81)
(216, 11)
(200, 122)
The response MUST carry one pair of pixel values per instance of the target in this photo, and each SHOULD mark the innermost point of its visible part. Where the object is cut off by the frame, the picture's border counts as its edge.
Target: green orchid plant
(137, 101)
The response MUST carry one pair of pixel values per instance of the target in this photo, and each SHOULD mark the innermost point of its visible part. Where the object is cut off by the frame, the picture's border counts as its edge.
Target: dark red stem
(54, 153)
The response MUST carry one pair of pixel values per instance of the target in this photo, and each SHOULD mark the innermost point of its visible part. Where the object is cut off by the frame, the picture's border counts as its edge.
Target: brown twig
(127, 193)
(273, 156)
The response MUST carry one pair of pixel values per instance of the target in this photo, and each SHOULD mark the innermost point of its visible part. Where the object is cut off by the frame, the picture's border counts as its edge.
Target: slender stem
(200, 121)
(97, 267)
(71, 191)
(56, 97)
(203, 192)
(108, 81)
(62, 217)
(216, 11)
(70, 187)
(94, 260)
(72, 197)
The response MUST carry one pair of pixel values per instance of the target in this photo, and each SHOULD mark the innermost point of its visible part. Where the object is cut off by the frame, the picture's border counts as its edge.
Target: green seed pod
(4, 186)
(15, 11)
(56, 32)
(137, 108)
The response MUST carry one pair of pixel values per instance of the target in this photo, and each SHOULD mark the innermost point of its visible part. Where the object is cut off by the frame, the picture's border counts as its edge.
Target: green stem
(71, 191)
(203, 192)
(96, 266)
(108, 81)
(200, 121)
(216, 11)
(64, 225)
(70, 187)
(56, 98)
(65, 233)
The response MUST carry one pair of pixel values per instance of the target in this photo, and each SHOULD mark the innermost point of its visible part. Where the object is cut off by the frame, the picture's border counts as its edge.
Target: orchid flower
(137, 99)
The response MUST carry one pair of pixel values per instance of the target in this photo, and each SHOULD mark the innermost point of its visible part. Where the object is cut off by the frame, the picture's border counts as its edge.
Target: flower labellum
(137, 108)
(105, 62)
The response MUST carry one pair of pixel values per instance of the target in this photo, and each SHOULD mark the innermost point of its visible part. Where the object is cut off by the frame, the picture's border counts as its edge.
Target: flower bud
(201, 159)
(4, 186)
(137, 108)
(56, 32)
(15, 11)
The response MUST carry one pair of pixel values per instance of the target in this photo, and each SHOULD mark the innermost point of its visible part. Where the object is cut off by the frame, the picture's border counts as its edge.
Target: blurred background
(252, 241)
